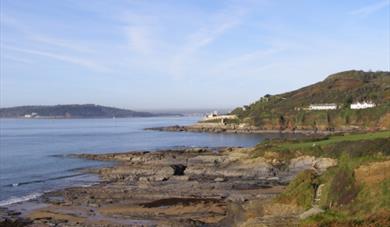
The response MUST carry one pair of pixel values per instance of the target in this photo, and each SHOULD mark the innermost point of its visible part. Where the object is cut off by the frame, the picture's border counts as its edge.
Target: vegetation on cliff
(289, 110)
(355, 192)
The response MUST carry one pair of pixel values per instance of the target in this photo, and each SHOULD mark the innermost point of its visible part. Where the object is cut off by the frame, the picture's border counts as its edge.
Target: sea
(35, 154)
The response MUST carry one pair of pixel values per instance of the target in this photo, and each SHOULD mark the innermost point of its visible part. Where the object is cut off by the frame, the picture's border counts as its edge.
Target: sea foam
(14, 199)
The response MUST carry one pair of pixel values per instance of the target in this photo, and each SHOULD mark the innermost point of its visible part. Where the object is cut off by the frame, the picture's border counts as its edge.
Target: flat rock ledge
(187, 187)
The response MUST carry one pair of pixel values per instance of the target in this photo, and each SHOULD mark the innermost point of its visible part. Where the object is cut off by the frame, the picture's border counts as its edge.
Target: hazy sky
(149, 54)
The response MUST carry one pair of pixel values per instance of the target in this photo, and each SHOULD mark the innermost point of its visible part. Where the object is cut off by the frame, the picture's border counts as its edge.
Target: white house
(362, 105)
(32, 115)
(324, 106)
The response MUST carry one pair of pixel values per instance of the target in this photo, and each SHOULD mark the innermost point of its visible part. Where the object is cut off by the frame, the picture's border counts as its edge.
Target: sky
(178, 54)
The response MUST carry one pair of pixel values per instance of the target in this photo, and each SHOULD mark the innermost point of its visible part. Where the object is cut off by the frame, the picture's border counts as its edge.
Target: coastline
(221, 128)
(188, 187)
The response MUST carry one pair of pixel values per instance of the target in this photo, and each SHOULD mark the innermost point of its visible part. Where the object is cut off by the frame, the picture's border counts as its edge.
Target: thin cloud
(208, 35)
(246, 64)
(67, 44)
(370, 9)
(65, 58)
(139, 39)
(221, 22)
(16, 59)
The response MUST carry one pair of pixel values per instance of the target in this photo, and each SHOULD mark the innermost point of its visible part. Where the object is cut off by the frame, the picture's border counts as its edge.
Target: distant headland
(73, 111)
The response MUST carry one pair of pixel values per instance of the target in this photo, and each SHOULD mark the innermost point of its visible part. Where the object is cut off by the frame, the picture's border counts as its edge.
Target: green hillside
(290, 110)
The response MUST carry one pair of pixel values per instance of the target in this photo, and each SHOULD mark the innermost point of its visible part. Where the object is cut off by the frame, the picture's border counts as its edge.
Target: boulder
(322, 164)
(178, 169)
(301, 163)
(310, 212)
(219, 179)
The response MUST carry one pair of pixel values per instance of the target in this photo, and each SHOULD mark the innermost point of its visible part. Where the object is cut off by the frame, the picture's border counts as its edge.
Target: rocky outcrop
(310, 162)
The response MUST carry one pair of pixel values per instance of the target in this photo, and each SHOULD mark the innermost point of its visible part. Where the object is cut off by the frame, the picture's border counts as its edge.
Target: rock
(273, 179)
(323, 164)
(143, 179)
(180, 178)
(310, 162)
(219, 179)
(94, 205)
(159, 178)
(237, 198)
(178, 169)
(301, 163)
(310, 212)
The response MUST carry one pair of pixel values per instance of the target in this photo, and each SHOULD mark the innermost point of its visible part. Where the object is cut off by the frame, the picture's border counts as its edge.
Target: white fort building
(216, 116)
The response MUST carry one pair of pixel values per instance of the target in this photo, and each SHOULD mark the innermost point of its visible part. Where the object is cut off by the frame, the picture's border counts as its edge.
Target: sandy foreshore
(187, 187)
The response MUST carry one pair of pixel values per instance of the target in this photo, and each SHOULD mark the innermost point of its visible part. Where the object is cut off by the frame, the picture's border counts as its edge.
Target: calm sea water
(33, 151)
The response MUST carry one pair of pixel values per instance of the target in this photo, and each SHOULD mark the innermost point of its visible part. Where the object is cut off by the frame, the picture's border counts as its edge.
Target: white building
(211, 115)
(32, 115)
(324, 106)
(215, 116)
(362, 105)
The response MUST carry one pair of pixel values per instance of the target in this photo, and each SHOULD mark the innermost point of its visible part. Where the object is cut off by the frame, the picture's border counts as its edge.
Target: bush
(301, 190)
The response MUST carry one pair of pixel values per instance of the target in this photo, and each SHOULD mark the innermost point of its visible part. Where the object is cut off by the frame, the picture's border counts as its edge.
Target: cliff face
(70, 111)
(290, 110)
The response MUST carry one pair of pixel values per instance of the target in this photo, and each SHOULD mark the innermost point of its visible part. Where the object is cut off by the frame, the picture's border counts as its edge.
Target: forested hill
(70, 111)
(290, 110)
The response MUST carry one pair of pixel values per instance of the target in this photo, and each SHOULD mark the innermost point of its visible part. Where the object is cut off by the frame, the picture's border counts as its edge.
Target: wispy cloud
(67, 44)
(246, 64)
(139, 39)
(208, 34)
(16, 59)
(65, 58)
(219, 24)
(370, 9)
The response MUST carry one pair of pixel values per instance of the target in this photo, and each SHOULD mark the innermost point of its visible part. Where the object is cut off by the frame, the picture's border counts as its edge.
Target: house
(32, 115)
(324, 106)
(362, 105)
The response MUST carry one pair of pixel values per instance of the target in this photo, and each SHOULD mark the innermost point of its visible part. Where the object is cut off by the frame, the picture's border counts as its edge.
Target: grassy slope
(279, 111)
(344, 199)
(336, 139)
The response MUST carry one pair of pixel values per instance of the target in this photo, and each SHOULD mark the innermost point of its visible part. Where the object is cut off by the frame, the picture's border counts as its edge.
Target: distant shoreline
(70, 118)
(74, 111)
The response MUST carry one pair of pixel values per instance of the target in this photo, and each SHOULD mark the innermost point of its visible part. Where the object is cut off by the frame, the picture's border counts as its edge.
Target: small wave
(13, 200)
(44, 180)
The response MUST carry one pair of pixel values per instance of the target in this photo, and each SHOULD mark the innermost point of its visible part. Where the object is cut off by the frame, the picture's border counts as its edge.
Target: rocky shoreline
(187, 187)
(229, 128)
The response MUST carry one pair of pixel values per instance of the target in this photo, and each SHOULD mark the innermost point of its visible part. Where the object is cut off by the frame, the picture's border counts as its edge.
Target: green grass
(336, 139)
(300, 191)
(345, 201)
(325, 218)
